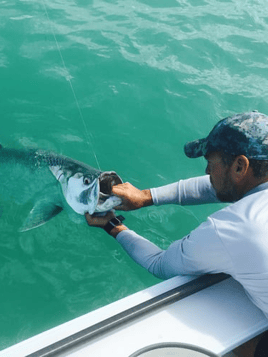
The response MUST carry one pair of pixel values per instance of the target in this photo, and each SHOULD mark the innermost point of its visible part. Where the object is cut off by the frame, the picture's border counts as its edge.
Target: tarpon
(54, 182)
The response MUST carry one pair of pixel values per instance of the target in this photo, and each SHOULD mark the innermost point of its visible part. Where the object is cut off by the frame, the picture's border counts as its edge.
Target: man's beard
(229, 192)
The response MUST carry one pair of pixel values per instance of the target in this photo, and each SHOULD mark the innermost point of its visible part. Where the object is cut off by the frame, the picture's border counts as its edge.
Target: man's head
(237, 153)
(231, 180)
(241, 134)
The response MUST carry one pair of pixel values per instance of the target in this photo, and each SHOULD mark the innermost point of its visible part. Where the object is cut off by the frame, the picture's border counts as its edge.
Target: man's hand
(101, 221)
(132, 197)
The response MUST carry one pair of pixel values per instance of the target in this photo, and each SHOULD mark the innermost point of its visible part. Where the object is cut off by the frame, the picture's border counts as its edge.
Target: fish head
(86, 189)
(80, 187)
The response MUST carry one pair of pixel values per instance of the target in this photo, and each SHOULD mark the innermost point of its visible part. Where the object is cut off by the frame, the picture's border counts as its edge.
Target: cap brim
(196, 148)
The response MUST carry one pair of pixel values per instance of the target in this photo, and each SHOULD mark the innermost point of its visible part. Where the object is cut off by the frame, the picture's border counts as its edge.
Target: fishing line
(88, 135)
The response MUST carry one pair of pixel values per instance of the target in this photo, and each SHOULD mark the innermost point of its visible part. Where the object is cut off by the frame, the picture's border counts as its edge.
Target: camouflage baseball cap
(241, 134)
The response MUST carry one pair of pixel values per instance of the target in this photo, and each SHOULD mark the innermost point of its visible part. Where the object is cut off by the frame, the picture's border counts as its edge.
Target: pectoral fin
(42, 212)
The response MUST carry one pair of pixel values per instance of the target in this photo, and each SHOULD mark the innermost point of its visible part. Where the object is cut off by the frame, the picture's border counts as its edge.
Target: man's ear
(239, 168)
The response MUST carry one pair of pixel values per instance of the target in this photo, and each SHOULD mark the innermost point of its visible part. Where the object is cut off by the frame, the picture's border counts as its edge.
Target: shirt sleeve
(198, 253)
(193, 191)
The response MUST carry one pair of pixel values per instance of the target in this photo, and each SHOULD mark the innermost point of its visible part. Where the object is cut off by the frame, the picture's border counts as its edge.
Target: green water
(126, 82)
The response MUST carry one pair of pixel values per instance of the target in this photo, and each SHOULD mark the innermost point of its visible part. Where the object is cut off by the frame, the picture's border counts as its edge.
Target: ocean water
(120, 85)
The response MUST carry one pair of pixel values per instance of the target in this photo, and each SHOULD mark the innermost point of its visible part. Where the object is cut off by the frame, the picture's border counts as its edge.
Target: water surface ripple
(128, 80)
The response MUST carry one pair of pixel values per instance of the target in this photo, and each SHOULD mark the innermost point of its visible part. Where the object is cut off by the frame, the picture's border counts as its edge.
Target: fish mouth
(107, 180)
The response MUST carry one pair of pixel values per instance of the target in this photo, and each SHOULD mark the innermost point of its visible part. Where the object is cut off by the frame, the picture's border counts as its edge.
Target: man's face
(220, 178)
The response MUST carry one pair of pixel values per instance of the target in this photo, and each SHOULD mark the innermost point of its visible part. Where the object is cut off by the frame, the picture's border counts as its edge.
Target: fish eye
(86, 181)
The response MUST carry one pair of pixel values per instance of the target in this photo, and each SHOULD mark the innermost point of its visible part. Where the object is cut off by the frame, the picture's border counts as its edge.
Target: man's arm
(132, 198)
(142, 251)
(193, 191)
(199, 252)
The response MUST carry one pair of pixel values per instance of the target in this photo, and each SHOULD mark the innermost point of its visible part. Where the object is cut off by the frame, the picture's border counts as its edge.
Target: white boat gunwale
(196, 320)
(176, 294)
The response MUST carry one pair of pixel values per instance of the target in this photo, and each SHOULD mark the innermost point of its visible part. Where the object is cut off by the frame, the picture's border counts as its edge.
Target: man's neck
(251, 185)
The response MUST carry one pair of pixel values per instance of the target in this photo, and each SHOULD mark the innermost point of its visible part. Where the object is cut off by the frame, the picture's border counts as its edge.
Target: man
(233, 240)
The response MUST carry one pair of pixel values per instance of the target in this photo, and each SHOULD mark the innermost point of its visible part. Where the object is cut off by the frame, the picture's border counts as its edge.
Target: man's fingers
(89, 219)
(121, 188)
(99, 221)
(120, 208)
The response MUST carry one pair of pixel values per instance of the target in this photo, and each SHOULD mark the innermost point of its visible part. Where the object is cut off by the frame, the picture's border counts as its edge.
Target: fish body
(54, 182)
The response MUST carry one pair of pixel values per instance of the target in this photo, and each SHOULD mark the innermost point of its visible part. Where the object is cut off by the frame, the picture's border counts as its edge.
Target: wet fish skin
(54, 182)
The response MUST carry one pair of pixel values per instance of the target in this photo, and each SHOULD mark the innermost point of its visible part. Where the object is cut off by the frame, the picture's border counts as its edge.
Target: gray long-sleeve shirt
(233, 240)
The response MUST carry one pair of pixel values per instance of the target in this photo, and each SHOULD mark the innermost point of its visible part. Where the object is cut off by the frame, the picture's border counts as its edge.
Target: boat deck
(216, 319)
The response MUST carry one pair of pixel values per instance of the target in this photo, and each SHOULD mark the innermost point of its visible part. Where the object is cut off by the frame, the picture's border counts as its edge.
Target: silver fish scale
(50, 159)
(69, 166)
(39, 158)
